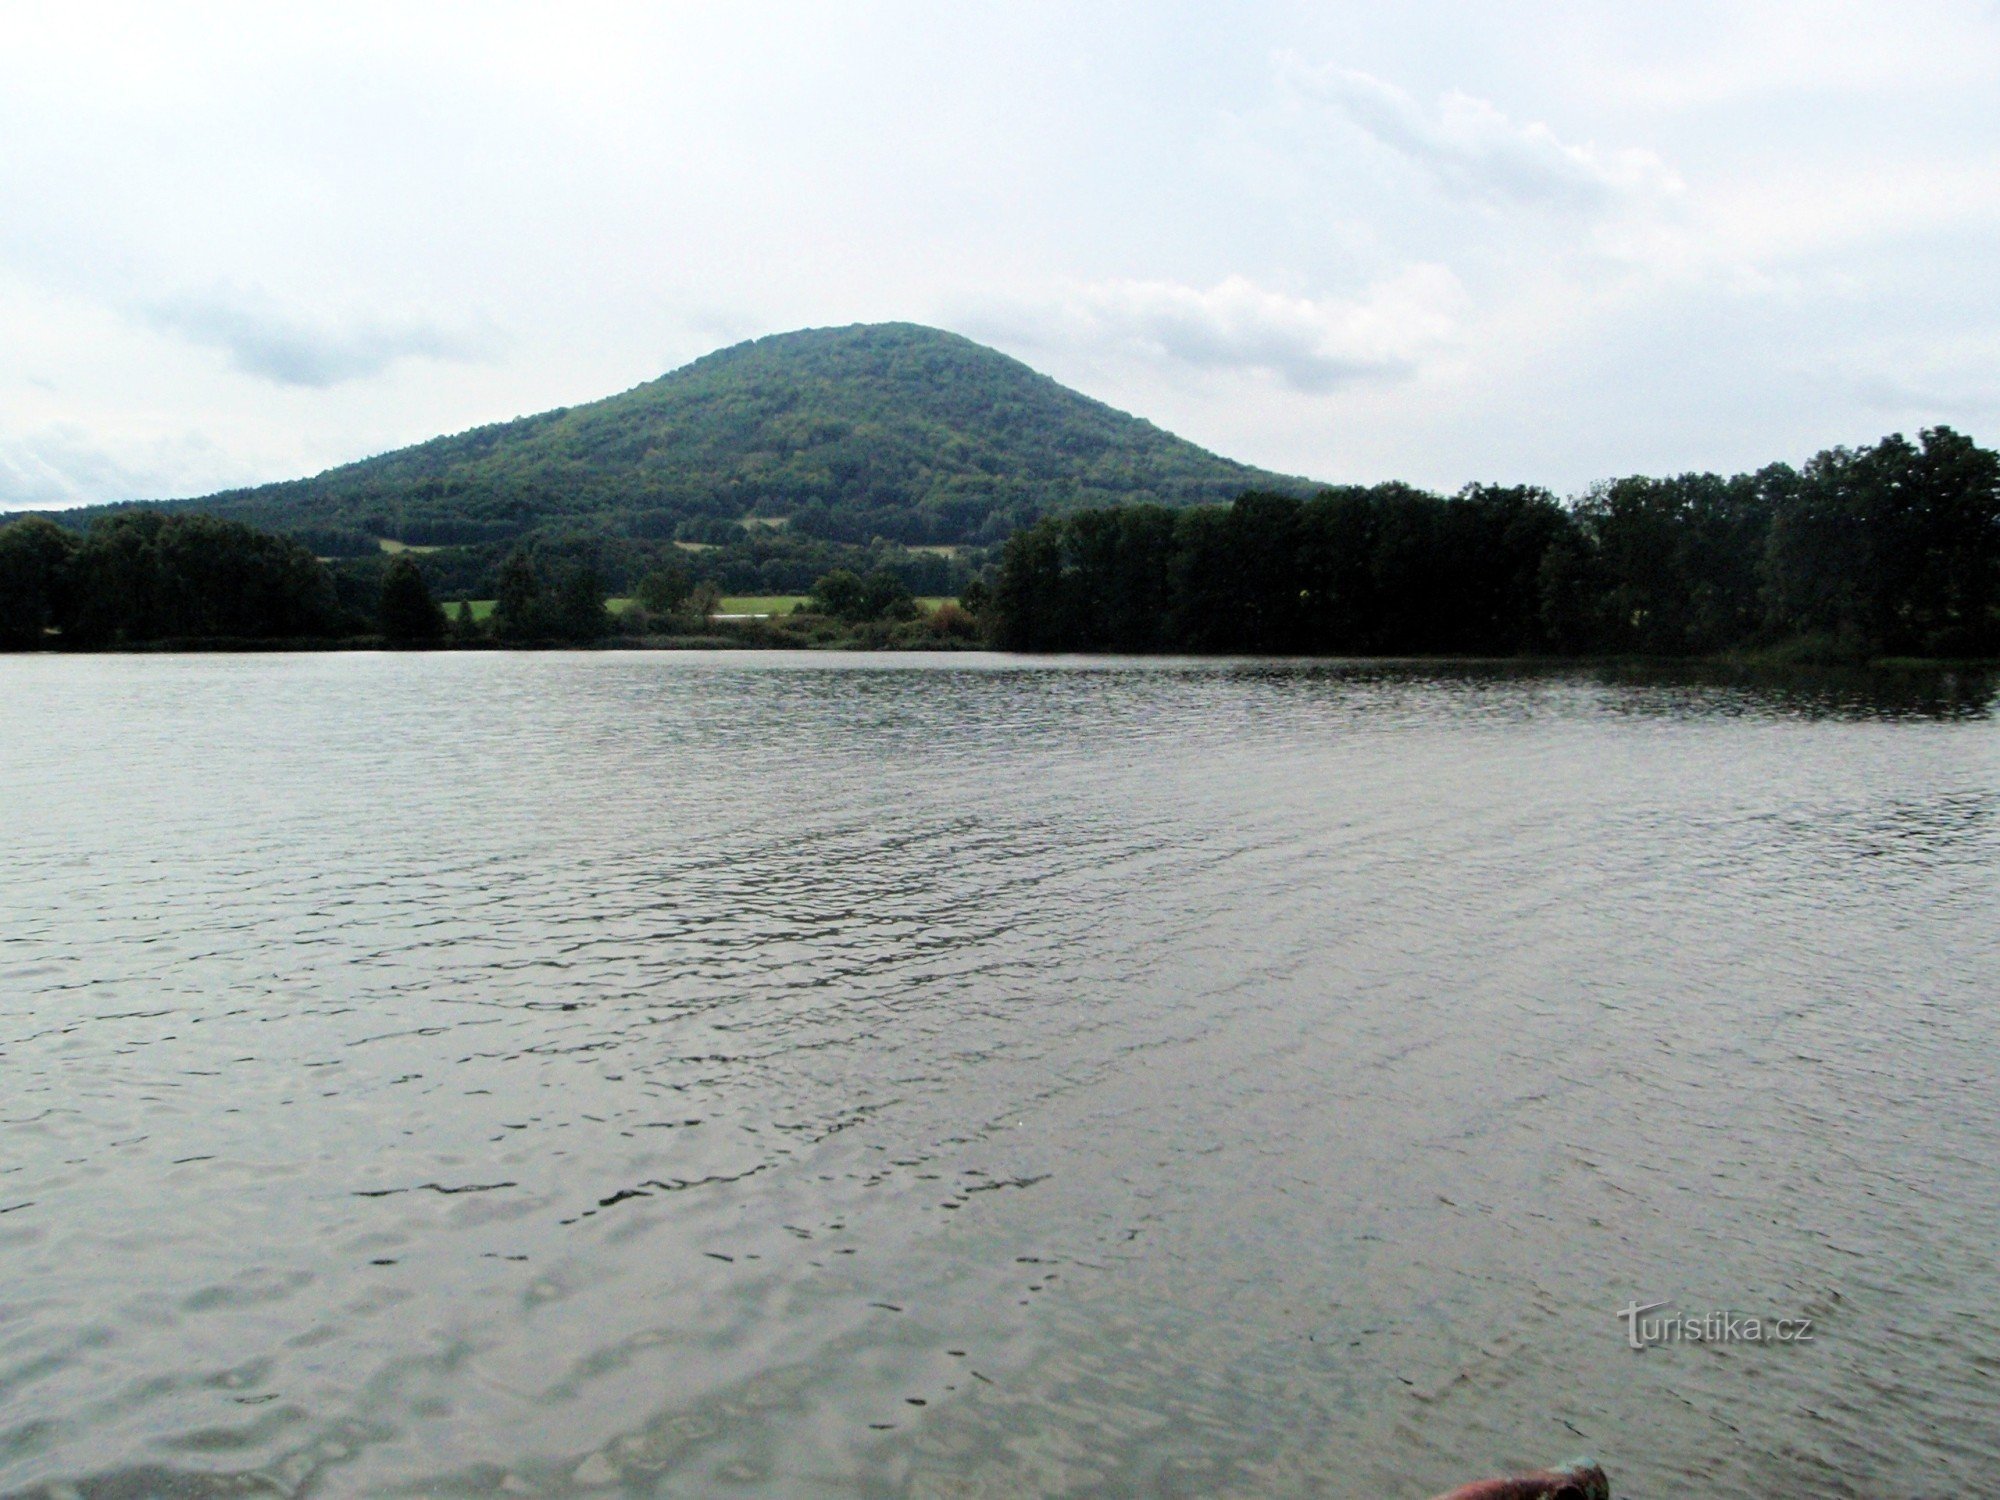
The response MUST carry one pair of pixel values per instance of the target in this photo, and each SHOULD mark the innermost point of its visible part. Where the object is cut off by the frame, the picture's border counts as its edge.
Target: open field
(482, 609)
(732, 604)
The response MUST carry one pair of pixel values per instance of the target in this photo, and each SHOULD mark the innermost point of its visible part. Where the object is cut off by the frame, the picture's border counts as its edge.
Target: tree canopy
(409, 615)
(879, 596)
(143, 576)
(1891, 549)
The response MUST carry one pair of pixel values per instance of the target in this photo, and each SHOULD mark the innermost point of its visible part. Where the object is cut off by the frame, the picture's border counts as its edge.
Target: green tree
(1568, 593)
(1027, 612)
(1888, 548)
(143, 575)
(884, 596)
(664, 590)
(34, 557)
(521, 607)
(579, 613)
(880, 596)
(1933, 514)
(408, 614)
(838, 594)
(703, 600)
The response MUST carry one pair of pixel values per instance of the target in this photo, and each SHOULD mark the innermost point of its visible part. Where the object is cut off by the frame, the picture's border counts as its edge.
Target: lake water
(836, 1076)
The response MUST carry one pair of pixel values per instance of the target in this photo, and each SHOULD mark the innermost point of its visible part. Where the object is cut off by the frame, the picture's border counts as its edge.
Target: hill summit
(876, 430)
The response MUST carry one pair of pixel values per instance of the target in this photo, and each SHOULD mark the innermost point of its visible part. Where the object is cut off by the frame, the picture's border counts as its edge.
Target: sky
(1535, 242)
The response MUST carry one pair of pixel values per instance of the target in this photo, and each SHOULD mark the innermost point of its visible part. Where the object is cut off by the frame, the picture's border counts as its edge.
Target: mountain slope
(890, 430)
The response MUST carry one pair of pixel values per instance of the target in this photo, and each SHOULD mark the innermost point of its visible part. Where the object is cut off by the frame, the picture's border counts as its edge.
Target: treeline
(1887, 550)
(143, 576)
(1892, 549)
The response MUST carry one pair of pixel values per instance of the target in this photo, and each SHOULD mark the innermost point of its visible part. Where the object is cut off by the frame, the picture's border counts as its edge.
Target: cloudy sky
(1435, 241)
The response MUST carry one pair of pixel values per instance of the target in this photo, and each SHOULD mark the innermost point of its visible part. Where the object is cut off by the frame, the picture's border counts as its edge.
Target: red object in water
(1577, 1481)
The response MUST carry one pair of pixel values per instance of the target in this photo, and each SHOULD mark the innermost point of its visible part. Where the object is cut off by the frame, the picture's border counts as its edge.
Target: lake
(706, 1074)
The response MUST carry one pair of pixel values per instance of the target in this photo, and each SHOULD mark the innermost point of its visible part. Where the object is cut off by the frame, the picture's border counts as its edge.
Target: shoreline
(1775, 660)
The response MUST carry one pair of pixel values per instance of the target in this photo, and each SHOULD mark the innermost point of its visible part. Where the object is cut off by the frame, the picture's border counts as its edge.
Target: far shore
(754, 634)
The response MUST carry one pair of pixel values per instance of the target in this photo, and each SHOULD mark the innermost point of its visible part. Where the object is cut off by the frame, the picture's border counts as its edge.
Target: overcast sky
(1441, 242)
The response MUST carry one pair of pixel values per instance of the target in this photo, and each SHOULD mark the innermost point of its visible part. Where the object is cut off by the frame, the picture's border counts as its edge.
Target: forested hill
(847, 434)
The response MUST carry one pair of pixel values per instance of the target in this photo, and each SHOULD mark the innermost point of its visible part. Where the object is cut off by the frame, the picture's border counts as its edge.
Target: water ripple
(674, 1074)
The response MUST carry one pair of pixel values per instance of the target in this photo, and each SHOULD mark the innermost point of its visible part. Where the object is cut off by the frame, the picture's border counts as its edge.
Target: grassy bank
(731, 604)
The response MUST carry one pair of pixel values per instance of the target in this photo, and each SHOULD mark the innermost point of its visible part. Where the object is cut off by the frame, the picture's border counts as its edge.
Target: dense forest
(1886, 550)
(1889, 550)
(144, 576)
(896, 432)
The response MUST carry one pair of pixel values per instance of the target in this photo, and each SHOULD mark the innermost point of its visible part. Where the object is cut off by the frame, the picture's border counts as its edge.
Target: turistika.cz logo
(1643, 1332)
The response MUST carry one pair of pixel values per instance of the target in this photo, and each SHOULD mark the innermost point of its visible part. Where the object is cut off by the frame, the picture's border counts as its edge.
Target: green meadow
(732, 604)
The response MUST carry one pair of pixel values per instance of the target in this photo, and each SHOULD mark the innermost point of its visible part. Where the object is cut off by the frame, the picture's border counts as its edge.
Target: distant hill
(889, 430)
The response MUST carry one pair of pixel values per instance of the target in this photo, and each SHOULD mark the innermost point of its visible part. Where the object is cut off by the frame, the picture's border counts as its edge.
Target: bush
(950, 623)
(880, 596)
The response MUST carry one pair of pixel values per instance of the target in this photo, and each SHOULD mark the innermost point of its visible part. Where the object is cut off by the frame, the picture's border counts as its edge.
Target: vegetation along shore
(1886, 551)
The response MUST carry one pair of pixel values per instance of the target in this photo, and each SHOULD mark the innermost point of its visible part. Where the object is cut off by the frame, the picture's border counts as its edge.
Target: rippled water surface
(696, 1075)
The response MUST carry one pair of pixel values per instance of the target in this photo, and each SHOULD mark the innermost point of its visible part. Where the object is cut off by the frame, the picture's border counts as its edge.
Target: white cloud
(1716, 57)
(1310, 344)
(274, 344)
(1433, 241)
(1475, 150)
(54, 468)
(61, 464)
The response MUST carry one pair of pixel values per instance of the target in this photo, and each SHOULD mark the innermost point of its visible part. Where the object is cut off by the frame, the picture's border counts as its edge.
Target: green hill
(877, 430)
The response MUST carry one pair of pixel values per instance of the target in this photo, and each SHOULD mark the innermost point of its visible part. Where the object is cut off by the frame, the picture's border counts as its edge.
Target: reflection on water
(693, 1075)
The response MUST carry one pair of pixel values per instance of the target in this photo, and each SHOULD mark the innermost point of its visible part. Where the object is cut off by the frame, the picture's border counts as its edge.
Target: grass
(744, 604)
(733, 604)
(784, 604)
(393, 546)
